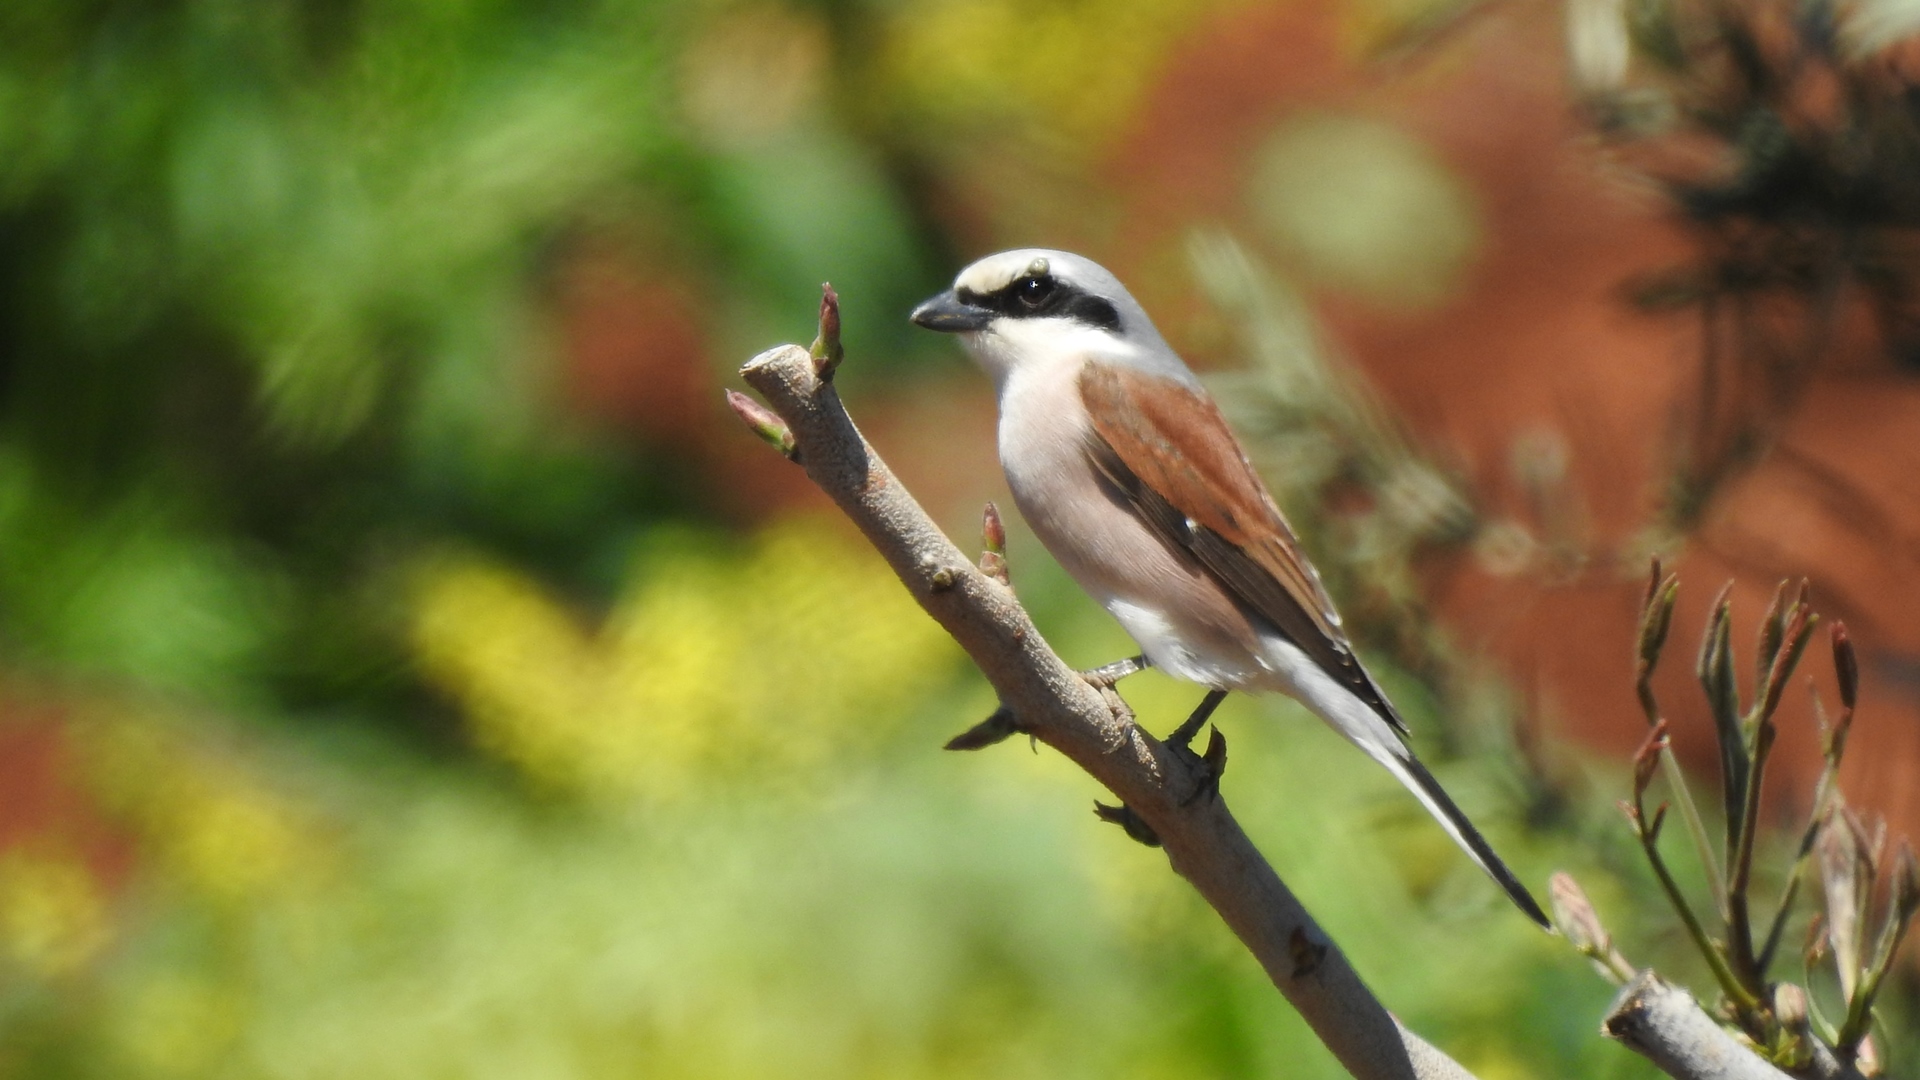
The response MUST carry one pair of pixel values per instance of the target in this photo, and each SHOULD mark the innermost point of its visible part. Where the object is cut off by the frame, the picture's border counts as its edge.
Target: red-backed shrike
(1125, 470)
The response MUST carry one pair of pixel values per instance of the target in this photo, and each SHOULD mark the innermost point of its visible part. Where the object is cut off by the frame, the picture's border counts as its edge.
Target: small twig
(1656, 619)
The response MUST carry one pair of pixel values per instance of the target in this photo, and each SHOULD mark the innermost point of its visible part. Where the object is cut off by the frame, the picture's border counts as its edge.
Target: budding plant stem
(1696, 828)
(1740, 873)
(1656, 620)
(1730, 985)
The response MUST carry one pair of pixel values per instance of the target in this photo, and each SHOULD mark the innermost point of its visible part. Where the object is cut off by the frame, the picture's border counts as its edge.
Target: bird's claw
(993, 729)
(1210, 767)
(1136, 826)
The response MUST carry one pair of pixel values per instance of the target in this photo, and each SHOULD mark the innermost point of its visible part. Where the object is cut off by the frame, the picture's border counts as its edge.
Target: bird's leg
(1184, 734)
(1107, 674)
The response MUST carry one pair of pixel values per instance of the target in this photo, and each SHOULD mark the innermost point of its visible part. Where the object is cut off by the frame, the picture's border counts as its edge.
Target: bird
(1124, 468)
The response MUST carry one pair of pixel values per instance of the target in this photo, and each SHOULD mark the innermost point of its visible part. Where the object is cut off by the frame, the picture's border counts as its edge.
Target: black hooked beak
(949, 314)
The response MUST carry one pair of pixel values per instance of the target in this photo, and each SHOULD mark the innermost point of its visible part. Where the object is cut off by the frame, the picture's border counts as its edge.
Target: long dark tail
(1421, 782)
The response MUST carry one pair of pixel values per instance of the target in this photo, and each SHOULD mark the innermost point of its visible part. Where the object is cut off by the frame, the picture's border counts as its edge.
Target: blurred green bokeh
(373, 708)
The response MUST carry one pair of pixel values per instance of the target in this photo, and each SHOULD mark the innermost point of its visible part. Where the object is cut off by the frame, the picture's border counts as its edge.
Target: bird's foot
(993, 729)
(1211, 764)
(1104, 676)
(1123, 816)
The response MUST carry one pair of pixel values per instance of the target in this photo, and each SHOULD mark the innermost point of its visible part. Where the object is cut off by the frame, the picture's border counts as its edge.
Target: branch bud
(993, 538)
(1795, 632)
(1715, 666)
(1794, 1043)
(1846, 666)
(1656, 617)
(1772, 628)
(826, 350)
(1906, 883)
(1574, 915)
(763, 422)
(1790, 1006)
(993, 532)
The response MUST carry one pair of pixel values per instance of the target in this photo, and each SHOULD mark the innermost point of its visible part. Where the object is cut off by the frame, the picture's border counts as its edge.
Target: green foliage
(272, 298)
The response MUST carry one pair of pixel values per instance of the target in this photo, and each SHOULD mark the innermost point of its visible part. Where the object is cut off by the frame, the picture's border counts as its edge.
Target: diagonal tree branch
(1094, 729)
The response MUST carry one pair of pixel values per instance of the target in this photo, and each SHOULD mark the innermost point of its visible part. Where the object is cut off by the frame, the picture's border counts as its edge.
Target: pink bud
(763, 422)
(993, 532)
(827, 352)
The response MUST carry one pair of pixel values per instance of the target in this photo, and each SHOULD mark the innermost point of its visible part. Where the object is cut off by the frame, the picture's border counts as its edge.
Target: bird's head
(1036, 306)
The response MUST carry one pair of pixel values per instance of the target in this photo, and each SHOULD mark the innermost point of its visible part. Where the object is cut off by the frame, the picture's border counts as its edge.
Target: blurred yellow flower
(759, 663)
(232, 840)
(53, 916)
(209, 820)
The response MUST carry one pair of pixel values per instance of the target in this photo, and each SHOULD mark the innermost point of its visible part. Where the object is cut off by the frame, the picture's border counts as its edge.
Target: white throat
(1010, 345)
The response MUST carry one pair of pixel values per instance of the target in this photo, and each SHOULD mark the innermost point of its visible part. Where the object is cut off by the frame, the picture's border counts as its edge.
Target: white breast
(1180, 617)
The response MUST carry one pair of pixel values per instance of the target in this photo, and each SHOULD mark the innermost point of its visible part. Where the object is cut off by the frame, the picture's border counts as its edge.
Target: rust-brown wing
(1170, 453)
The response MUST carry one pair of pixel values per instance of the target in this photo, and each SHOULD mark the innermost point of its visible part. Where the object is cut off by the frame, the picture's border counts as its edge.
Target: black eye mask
(1043, 296)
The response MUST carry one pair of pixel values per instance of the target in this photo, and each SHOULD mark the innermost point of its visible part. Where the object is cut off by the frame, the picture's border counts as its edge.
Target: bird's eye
(1034, 291)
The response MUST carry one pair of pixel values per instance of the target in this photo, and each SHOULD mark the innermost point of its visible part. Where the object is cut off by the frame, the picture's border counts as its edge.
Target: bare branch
(1662, 1023)
(1093, 728)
